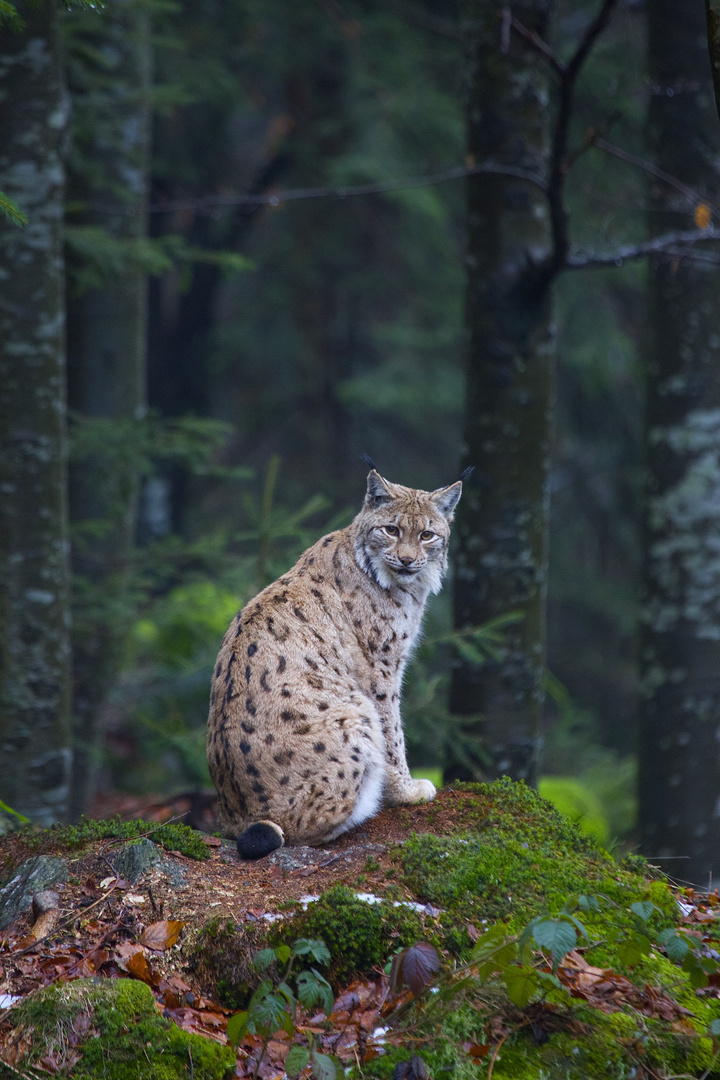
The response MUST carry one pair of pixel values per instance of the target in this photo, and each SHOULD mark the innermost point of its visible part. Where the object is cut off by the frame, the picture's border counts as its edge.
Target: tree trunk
(501, 561)
(680, 630)
(34, 570)
(107, 366)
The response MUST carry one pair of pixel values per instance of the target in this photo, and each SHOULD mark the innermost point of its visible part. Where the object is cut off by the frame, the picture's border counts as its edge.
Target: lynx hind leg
(343, 770)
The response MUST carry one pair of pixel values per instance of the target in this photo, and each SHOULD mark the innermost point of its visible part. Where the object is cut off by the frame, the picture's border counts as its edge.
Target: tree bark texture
(34, 559)
(107, 354)
(680, 629)
(712, 11)
(501, 561)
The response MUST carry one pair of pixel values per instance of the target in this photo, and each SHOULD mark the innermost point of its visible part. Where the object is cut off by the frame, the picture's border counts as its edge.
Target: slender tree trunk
(107, 365)
(501, 561)
(34, 570)
(680, 631)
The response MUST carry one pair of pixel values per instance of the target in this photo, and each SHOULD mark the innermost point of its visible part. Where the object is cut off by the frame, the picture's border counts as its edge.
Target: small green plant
(273, 1006)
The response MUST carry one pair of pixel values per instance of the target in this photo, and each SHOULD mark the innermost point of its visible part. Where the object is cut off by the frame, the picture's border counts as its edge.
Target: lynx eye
(392, 530)
(427, 535)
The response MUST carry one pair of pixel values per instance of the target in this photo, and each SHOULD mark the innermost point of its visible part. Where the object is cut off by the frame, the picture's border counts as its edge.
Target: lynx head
(402, 533)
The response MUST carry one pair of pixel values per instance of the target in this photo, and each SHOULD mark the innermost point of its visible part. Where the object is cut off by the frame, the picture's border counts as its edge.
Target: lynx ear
(378, 493)
(446, 499)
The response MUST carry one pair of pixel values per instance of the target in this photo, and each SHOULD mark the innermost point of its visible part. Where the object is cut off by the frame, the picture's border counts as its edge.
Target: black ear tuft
(368, 461)
(259, 840)
(466, 472)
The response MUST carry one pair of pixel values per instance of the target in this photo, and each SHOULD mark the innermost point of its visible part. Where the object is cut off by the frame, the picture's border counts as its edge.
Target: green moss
(119, 1033)
(173, 837)
(523, 859)
(358, 935)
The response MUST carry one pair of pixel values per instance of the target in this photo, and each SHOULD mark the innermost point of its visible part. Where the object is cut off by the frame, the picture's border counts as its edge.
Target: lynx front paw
(406, 792)
(422, 791)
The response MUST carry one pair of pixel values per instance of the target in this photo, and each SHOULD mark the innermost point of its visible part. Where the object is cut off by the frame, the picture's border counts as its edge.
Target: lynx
(305, 738)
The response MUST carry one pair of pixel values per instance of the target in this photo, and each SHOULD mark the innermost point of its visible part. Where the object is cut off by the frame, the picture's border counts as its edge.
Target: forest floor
(151, 929)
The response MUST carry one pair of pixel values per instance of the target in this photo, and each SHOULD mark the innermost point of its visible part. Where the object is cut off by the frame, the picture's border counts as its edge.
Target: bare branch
(678, 244)
(214, 202)
(559, 153)
(509, 21)
(692, 196)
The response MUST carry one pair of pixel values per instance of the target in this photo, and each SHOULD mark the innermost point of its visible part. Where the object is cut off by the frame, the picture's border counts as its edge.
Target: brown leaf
(476, 1050)
(162, 935)
(419, 963)
(138, 966)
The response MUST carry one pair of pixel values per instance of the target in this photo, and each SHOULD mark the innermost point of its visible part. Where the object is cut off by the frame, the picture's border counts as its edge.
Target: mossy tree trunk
(34, 566)
(680, 631)
(501, 561)
(712, 10)
(110, 78)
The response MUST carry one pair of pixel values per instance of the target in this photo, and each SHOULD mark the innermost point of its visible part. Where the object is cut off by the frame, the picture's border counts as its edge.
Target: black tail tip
(259, 840)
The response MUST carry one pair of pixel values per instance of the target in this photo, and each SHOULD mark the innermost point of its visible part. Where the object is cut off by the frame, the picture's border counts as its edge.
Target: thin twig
(647, 166)
(214, 202)
(494, 1057)
(664, 244)
(509, 21)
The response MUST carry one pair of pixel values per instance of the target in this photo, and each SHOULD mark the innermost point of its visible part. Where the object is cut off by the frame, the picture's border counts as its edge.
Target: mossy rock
(112, 1028)
(172, 836)
(523, 859)
(358, 934)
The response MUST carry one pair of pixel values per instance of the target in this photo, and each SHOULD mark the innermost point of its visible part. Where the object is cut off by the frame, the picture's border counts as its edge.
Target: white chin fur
(430, 577)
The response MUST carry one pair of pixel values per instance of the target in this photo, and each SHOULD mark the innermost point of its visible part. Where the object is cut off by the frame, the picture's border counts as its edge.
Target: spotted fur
(304, 732)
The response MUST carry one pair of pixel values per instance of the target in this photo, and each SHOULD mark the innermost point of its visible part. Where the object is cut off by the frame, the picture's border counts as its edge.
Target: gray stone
(135, 859)
(44, 901)
(296, 858)
(33, 876)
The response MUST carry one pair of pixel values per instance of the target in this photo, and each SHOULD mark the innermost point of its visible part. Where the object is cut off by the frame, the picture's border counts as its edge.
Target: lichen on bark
(679, 714)
(34, 578)
(501, 562)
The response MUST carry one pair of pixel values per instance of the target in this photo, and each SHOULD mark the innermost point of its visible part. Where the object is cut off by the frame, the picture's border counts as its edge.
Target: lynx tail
(259, 840)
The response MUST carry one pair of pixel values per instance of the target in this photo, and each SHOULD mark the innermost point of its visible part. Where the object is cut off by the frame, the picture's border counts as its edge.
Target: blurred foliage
(346, 336)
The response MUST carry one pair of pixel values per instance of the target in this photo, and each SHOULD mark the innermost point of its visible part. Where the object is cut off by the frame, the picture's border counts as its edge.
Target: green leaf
(287, 993)
(297, 1059)
(675, 946)
(521, 984)
(313, 989)
(9, 208)
(643, 909)
(557, 935)
(549, 981)
(323, 1067)
(715, 1028)
(15, 813)
(631, 950)
(263, 959)
(316, 950)
(236, 1027)
(588, 903)
(283, 953)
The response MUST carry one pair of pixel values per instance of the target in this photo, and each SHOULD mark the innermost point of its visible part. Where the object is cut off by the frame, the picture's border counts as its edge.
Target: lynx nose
(406, 559)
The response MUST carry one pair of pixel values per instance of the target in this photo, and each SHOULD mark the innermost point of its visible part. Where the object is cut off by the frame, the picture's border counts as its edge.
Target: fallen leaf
(162, 935)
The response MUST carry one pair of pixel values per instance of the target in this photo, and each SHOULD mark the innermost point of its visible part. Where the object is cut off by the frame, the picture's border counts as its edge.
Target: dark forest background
(243, 324)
